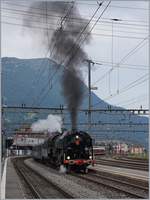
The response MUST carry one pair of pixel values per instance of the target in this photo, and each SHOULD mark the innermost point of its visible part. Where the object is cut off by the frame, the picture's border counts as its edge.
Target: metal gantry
(60, 110)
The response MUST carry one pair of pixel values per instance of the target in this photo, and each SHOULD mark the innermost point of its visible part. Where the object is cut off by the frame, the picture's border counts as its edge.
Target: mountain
(37, 82)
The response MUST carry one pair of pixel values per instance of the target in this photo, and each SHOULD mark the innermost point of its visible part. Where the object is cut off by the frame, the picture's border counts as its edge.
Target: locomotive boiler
(72, 149)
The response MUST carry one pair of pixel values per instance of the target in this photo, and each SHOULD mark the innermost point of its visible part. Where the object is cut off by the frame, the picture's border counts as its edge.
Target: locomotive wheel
(85, 170)
(68, 169)
(77, 170)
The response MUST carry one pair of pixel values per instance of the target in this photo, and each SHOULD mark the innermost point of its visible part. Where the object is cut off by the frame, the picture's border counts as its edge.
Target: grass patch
(144, 156)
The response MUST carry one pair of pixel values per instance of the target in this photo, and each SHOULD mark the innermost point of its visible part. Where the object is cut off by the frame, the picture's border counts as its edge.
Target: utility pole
(89, 86)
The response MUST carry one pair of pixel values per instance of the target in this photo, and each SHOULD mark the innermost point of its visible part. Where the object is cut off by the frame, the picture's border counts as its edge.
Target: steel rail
(34, 192)
(91, 179)
(68, 196)
(134, 160)
(124, 161)
(146, 188)
(123, 164)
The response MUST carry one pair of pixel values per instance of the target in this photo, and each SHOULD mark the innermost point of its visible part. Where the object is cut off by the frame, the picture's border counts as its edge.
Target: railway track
(130, 189)
(133, 160)
(39, 187)
(124, 163)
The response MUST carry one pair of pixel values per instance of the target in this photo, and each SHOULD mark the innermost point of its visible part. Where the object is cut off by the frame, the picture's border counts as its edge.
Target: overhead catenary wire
(123, 60)
(79, 3)
(77, 40)
(131, 25)
(53, 26)
(90, 29)
(93, 26)
(138, 81)
(125, 89)
(96, 34)
(60, 24)
(77, 20)
(103, 62)
(137, 47)
(143, 98)
(41, 70)
(102, 77)
(123, 67)
(137, 101)
(61, 21)
(121, 26)
(132, 99)
(58, 67)
(127, 7)
(131, 52)
(144, 39)
(99, 80)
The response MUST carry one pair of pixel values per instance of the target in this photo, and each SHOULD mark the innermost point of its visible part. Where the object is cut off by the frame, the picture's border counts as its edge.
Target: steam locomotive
(71, 149)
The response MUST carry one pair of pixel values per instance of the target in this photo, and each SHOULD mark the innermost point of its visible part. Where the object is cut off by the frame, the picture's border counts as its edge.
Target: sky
(118, 45)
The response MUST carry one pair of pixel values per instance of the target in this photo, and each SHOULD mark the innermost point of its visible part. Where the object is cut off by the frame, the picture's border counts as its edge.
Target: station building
(24, 140)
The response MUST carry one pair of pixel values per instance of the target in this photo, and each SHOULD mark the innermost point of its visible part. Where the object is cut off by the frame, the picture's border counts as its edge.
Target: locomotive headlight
(90, 157)
(68, 157)
(77, 137)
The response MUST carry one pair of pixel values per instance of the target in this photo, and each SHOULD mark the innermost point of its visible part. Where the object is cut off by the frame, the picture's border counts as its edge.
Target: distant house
(120, 148)
(136, 150)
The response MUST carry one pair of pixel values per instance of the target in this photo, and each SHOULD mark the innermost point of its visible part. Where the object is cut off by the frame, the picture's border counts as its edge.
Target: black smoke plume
(65, 42)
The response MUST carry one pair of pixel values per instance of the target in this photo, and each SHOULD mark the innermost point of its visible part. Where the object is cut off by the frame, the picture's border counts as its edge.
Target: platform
(132, 173)
(11, 187)
(2, 166)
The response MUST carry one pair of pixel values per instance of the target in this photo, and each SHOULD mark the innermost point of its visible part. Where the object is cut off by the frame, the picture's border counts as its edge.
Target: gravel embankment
(75, 186)
(104, 191)
(69, 185)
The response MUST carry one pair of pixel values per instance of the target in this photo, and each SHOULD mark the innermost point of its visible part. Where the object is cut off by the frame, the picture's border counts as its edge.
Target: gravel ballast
(61, 180)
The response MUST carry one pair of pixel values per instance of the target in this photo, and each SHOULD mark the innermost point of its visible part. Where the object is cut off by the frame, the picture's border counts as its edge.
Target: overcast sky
(126, 85)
